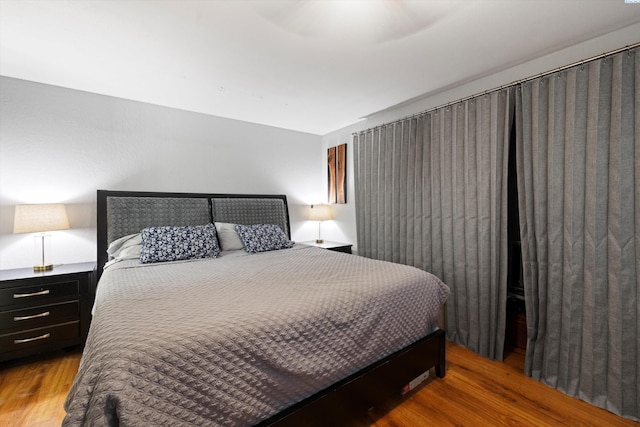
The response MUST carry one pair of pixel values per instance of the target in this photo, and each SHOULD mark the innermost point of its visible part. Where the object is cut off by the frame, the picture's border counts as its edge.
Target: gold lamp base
(319, 241)
(43, 267)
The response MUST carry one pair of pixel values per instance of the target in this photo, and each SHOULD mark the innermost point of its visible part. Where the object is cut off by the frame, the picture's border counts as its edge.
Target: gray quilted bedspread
(234, 340)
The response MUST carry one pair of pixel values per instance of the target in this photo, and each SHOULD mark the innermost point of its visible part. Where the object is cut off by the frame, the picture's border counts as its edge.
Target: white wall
(61, 145)
(343, 228)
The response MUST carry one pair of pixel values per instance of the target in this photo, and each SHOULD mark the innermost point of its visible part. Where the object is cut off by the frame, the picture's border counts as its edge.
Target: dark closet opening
(516, 322)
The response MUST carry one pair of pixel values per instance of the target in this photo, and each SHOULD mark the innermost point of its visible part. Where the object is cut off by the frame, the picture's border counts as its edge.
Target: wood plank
(331, 175)
(475, 392)
(481, 392)
(33, 390)
(341, 173)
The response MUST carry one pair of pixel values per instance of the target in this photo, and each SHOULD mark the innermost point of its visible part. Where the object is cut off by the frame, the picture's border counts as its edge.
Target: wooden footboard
(367, 388)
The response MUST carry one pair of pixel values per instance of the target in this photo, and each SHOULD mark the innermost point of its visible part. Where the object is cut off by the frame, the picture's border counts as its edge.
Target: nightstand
(332, 246)
(43, 311)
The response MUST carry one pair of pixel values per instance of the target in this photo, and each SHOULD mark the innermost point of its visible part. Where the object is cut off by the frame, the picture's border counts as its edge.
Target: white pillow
(127, 247)
(228, 237)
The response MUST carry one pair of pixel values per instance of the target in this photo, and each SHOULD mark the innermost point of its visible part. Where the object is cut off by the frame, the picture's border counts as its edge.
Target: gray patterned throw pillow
(263, 237)
(172, 243)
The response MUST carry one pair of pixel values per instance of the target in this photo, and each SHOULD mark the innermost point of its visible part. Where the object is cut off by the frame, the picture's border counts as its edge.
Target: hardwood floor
(475, 392)
(32, 390)
(480, 392)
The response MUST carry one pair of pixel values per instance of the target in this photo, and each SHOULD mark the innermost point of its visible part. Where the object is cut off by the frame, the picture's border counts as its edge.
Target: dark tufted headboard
(126, 212)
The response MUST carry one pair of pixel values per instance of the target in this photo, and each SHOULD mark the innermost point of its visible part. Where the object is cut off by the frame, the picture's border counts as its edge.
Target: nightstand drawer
(45, 311)
(38, 317)
(39, 294)
(40, 337)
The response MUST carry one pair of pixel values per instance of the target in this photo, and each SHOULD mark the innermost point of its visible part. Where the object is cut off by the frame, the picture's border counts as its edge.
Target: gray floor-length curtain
(431, 191)
(578, 163)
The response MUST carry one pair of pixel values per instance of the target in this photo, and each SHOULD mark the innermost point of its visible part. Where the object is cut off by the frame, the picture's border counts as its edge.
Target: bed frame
(102, 206)
(347, 399)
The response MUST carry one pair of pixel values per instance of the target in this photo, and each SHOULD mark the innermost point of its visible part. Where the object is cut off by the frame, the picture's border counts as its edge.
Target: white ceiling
(313, 65)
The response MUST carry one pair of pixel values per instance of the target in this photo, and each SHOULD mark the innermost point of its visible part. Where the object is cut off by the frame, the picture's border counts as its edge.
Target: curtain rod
(514, 83)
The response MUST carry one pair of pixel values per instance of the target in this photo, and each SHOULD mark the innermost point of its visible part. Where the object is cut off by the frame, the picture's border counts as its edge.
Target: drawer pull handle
(41, 337)
(33, 316)
(33, 294)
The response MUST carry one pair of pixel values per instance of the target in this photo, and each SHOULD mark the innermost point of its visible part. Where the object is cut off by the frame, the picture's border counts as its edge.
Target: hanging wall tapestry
(337, 173)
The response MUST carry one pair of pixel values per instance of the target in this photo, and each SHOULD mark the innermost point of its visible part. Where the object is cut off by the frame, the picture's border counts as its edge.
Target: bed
(292, 336)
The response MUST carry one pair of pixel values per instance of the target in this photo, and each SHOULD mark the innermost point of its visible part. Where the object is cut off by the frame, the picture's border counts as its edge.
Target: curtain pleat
(432, 193)
(578, 170)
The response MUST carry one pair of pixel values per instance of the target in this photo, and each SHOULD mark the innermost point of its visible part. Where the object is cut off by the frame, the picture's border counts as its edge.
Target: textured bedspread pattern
(234, 340)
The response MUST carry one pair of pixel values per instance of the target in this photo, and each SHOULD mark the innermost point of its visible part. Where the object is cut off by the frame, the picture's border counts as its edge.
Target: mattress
(234, 340)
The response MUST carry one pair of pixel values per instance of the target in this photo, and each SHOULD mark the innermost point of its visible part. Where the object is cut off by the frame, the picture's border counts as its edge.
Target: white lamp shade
(40, 218)
(320, 213)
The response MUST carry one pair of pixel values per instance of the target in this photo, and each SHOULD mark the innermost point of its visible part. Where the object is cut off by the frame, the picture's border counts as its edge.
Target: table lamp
(40, 219)
(320, 213)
